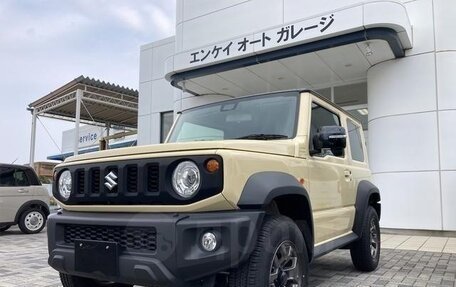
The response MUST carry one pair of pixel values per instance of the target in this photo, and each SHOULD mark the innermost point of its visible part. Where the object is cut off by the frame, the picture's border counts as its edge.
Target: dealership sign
(274, 38)
(284, 35)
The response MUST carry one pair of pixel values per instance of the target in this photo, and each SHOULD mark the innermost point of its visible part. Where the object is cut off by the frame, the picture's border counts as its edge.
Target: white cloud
(129, 16)
(161, 20)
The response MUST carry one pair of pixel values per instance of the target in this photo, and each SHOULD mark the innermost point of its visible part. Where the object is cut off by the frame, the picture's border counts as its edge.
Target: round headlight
(65, 184)
(186, 179)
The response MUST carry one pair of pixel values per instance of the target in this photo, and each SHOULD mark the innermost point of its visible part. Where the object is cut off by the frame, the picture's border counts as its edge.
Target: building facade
(389, 63)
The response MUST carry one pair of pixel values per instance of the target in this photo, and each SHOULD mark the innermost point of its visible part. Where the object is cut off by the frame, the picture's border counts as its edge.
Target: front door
(14, 191)
(330, 180)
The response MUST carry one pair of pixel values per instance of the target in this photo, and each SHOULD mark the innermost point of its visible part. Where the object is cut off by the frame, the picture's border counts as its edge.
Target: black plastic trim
(263, 187)
(334, 244)
(178, 259)
(364, 192)
(387, 34)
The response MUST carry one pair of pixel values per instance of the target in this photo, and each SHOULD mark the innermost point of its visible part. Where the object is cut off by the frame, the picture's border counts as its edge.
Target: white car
(23, 200)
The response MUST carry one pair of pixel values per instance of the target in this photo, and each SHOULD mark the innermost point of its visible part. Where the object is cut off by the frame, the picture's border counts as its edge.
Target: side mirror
(332, 138)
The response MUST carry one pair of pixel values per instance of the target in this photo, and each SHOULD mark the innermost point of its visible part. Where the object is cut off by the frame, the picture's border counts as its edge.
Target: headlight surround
(65, 184)
(186, 179)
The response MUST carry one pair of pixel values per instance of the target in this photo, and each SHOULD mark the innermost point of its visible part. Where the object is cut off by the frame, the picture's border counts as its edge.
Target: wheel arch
(282, 193)
(29, 205)
(367, 195)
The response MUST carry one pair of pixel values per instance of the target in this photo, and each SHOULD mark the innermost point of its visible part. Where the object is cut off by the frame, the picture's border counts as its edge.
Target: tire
(32, 221)
(365, 252)
(75, 281)
(4, 228)
(279, 236)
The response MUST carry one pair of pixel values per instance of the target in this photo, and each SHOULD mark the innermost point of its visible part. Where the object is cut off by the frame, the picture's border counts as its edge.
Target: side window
(10, 176)
(321, 117)
(166, 121)
(7, 176)
(21, 178)
(354, 137)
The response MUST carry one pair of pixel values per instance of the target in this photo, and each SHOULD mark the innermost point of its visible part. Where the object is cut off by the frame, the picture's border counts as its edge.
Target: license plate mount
(97, 257)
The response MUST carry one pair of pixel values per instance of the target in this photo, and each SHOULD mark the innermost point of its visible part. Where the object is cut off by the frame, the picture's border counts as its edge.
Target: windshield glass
(267, 117)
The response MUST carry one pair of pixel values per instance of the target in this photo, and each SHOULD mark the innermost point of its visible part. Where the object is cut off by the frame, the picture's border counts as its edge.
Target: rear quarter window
(356, 144)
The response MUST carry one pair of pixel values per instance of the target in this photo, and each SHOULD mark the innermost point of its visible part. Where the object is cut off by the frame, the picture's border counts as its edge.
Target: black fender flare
(29, 204)
(367, 194)
(263, 187)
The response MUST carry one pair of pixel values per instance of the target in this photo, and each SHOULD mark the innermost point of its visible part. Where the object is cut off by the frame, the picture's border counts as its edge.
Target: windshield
(267, 117)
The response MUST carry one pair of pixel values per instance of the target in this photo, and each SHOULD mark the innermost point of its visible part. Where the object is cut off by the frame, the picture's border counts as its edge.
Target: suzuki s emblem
(111, 180)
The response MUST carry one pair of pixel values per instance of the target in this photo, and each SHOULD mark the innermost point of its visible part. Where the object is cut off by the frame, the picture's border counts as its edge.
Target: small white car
(23, 200)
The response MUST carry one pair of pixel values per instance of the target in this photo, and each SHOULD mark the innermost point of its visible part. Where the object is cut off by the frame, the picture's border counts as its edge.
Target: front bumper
(174, 258)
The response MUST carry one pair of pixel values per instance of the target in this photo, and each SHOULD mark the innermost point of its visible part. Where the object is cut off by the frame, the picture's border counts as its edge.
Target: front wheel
(279, 260)
(75, 281)
(365, 252)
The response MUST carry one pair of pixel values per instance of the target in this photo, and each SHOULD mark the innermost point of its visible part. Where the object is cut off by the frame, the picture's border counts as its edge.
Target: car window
(354, 137)
(21, 178)
(7, 176)
(321, 117)
(10, 176)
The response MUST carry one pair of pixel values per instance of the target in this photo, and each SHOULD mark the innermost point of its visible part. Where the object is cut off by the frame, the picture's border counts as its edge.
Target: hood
(279, 147)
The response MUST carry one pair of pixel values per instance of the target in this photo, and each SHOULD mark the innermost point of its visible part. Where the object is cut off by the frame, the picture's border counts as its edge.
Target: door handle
(22, 190)
(348, 174)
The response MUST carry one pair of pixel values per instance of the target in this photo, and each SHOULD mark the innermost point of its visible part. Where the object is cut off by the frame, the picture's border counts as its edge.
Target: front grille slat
(128, 238)
(80, 180)
(132, 179)
(153, 182)
(95, 180)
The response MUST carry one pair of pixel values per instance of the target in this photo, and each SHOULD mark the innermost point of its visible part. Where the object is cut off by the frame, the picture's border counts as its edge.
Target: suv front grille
(135, 182)
(128, 238)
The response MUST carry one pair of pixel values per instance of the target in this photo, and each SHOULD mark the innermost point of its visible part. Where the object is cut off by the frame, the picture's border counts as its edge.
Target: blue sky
(44, 44)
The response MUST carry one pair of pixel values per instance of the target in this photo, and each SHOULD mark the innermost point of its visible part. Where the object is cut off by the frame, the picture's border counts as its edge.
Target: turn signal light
(212, 165)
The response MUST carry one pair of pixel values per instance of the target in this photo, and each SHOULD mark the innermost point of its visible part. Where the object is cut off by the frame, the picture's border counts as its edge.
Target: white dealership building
(392, 64)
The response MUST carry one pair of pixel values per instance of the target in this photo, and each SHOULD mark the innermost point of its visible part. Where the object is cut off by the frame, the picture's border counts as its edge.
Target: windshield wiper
(262, 137)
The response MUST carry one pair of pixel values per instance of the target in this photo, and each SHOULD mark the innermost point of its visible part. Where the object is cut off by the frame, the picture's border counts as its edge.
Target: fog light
(209, 241)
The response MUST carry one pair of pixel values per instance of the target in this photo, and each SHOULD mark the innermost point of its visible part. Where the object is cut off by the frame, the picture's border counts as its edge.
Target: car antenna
(14, 160)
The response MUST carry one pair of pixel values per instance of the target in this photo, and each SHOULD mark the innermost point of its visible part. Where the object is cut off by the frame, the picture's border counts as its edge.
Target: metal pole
(33, 139)
(108, 133)
(78, 120)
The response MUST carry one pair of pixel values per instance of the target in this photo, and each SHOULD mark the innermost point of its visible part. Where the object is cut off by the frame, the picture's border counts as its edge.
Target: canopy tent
(89, 101)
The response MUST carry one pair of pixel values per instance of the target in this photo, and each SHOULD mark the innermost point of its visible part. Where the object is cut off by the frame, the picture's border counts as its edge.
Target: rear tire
(365, 252)
(75, 281)
(32, 221)
(279, 259)
(4, 228)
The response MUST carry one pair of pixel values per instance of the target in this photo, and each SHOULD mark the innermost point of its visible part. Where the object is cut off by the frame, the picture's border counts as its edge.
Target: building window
(356, 145)
(166, 121)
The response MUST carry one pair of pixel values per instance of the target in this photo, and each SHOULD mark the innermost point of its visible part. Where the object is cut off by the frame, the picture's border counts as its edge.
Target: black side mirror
(332, 138)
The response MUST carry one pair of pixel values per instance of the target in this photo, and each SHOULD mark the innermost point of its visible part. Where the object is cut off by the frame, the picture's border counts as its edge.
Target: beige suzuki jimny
(245, 192)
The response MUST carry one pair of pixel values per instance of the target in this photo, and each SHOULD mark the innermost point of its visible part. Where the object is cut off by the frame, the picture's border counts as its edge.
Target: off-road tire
(361, 252)
(275, 231)
(4, 228)
(75, 281)
(24, 227)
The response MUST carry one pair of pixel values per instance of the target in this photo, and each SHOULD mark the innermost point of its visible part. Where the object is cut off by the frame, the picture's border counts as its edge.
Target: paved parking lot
(23, 264)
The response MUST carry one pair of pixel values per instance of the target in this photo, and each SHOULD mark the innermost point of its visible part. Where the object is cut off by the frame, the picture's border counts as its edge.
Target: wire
(82, 102)
(49, 134)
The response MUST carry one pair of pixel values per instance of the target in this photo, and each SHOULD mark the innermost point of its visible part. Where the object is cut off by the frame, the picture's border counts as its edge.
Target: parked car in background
(23, 200)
